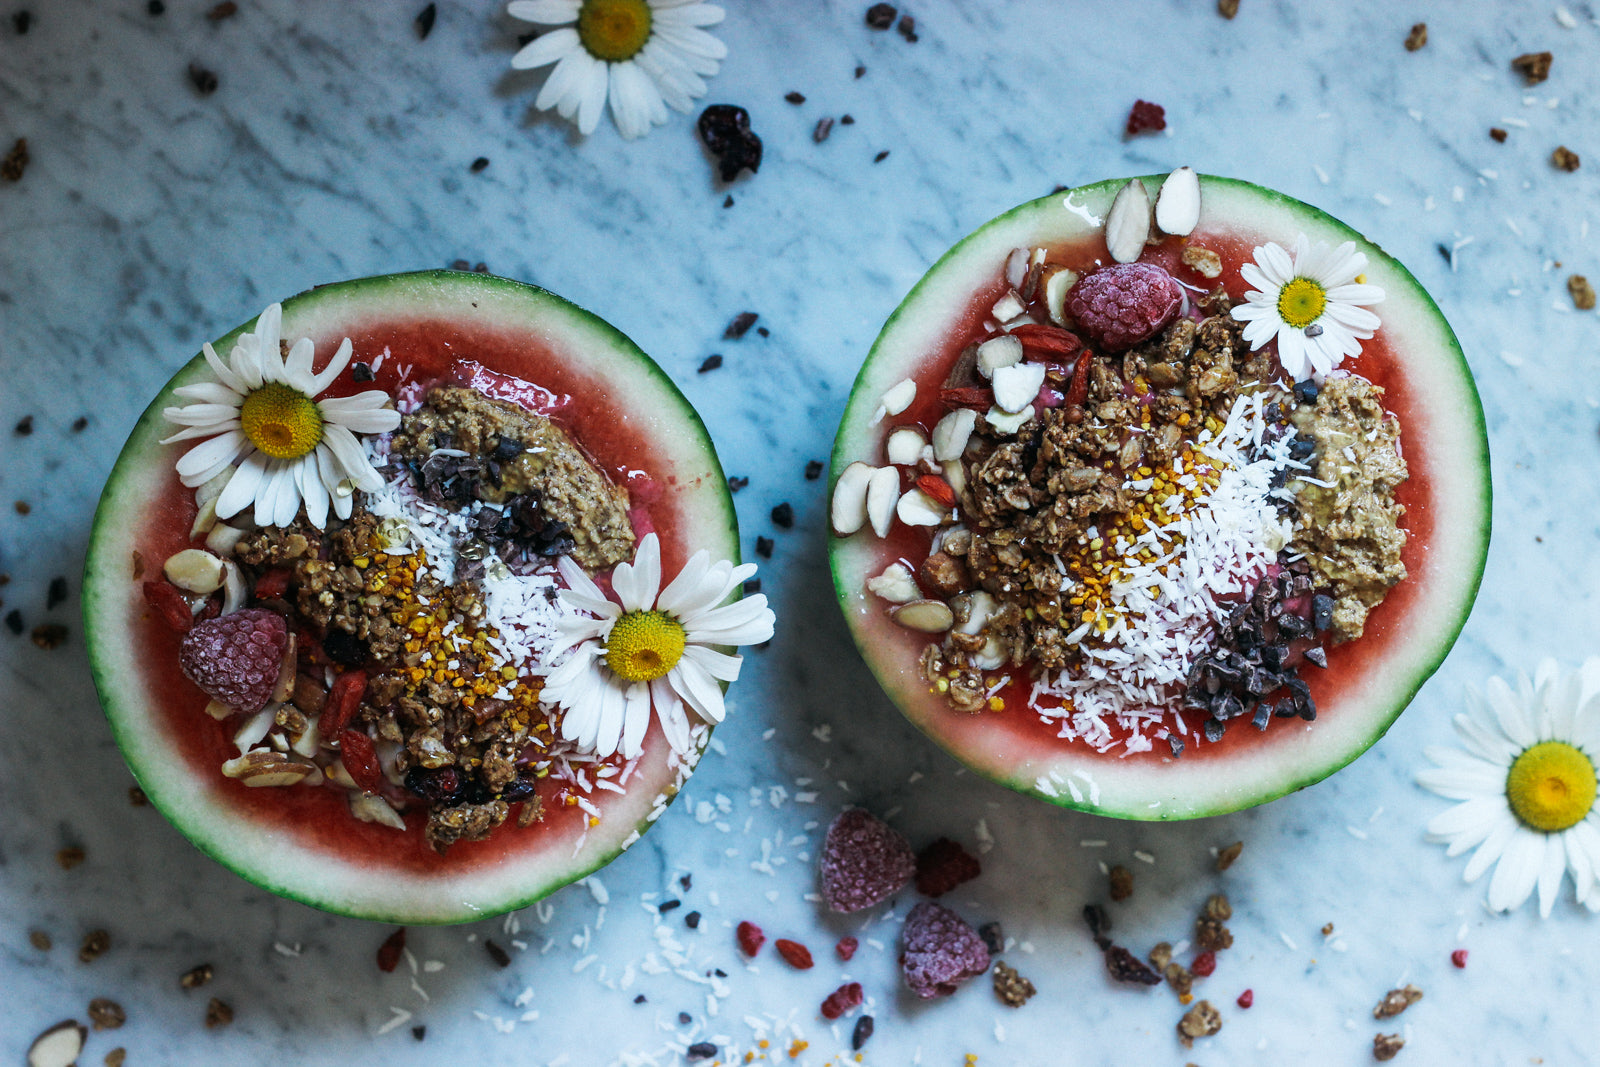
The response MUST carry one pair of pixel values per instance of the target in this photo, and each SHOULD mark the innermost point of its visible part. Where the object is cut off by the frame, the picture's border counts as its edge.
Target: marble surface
(338, 145)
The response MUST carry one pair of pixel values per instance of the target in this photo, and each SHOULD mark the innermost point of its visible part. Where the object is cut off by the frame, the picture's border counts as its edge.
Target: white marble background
(338, 145)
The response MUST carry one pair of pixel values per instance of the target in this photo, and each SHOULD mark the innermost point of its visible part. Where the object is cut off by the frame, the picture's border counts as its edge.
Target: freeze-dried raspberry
(1125, 303)
(794, 953)
(940, 951)
(863, 861)
(842, 1000)
(235, 659)
(750, 938)
(1146, 117)
(944, 865)
(1205, 964)
(846, 948)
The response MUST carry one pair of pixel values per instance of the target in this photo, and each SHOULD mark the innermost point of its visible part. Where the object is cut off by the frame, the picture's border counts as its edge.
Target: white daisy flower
(1311, 302)
(649, 650)
(1526, 782)
(641, 55)
(263, 413)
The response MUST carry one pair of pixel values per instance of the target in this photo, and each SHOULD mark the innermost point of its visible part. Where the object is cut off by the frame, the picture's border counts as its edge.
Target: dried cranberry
(750, 938)
(725, 129)
(1146, 117)
(440, 785)
(794, 953)
(1204, 964)
(846, 948)
(1459, 958)
(1247, 998)
(389, 951)
(842, 1000)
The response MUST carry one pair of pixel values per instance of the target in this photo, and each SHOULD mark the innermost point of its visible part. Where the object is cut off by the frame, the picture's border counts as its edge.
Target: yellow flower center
(644, 645)
(1302, 302)
(281, 421)
(614, 30)
(1551, 786)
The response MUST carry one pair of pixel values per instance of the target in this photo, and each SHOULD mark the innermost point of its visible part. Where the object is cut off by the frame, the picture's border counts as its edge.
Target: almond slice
(998, 352)
(194, 570)
(899, 396)
(262, 768)
(1008, 307)
(952, 433)
(1128, 222)
(981, 605)
(849, 509)
(223, 539)
(917, 508)
(368, 807)
(204, 519)
(59, 1046)
(895, 585)
(905, 445)
(1056, 280)
(955, 473)
(1003, 422)
(883, 493)
(1178, 203)
(1017, 267)
(236, 592)
(927, 616)
(1016, 386)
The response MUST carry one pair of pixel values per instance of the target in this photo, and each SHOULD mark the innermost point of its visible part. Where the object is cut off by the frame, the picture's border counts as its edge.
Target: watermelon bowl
(1147, 687)
(532, 351)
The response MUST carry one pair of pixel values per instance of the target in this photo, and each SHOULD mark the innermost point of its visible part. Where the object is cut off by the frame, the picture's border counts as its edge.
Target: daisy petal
(591, 95)
(698, 688)
(636, 719)
(719, 665)
(746, 622)
(1550, 871)
(545, 49)
(297, 367)
(546, 12)
(335, 367)
(1518, 870)
(1494, 844)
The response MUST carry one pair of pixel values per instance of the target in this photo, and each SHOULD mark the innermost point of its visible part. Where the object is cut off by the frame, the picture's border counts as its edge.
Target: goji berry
(389, 951)
(164, 598)
(1078, 391)
(343, 700)
(1247, 998)
(974, 397)
(1204, 964)
(842, 1000)
(794, 953)
(750, 938)
(361, 760)
(937, 488)
(1047, 344)
(846, 948)
(1459, 958)
(273, 583)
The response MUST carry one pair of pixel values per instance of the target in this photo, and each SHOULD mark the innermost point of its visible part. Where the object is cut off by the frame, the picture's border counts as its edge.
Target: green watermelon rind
(112, 604)
(1165, 789)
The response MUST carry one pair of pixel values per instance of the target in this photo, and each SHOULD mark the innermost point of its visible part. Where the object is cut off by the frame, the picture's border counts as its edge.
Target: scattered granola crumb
(1121, 882)
(1202, 261)
(740, 325)
(1227, 8)
(1202, 1020)
(49, 636)
(106, 1014)
(1396, 1001)
(1227, 856)
(95, 944)
(138, 565)
(1012, 989)
(225, 10)
(204, 81)
(1327, 929)
(1417, 37)
(1387, 1046)
(69, 858)
(196, 977)
(501, 957)
(116, 1057)
(881, 16)
(137, 798)
(16, 161)
(1564, 158)
(425, 19)
(22, 507)
(795, 98)
(823, 128)
(40, 940)
(1497, 135)
(1209, 929)
(1582, 292)
(218, 1013)
(1533, 66)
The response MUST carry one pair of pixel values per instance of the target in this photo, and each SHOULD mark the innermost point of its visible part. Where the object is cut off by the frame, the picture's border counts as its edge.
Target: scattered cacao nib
(994, 938)
(460, 264)
(24, 426)
(106, 1014)
(752, 587)
(1146, 117)
(22, 507)
(80, 423)
(204, 81)
(847, 120)
(1099, 925)
(908, 28)
(860, 71)
(501, 957)
(1012, 989)
(684, 1018)
(225, 10)
(218, 1014)
(737, 483)
(795, 98)
(823, 128)
(881, 156)
(725, 131)
(479, 165)
(1564, 158)
(783, 515)
(861, 1033)
(1497, 135)
(727, 201)
(58, 592)
(813, 470)
(419, 1033)
(711, 362)
(1533, 66)
(390, 951)
(764, 547)
(40, 940)
(640, 999)
(1227, 8)
(1417, 37)
(22, 22)
(685, 881)
(14, 621)
(1396, 1001)
(68, 858)
(668, 905)
(1581, 291)
(1126, 967)
(425, 20)
(1227, 856)
(700, 1050)
(156, 7)
(15, 162)
(1121, 883)
(740, 325)
(196, 977)
(95, 943)
(1202, 1020)
(361, 372)
(51, 635)
(1386, 1047)
(881, 16)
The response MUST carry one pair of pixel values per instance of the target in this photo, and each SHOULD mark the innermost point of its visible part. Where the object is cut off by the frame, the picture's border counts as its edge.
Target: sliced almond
(235, 593)
(1128, 222)
(309, 741)
(895, 584)
(1016, 267)
(849, 509)
(1004, 422)
(998, 352)
(981, 606)
(1008, 307)
(223, 539)
(1178, 203)
(59, 1046)
(1016, 386)
(883, 493)
(339, 776)
(928, 616)
(917, 508)
(1056, 280)
(286, 673)
(194, 570)
(955, 474)
(255, 729)
(210, 490)
(369, 807)
(218, 710)
(951, 434)
(262, 768)
(991, 656)
(1020, 320)
(204, 520)
(904, 446)
(899, 396)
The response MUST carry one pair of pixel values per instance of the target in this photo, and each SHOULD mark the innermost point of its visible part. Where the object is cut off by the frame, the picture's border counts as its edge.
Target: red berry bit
(236, 659)
(1459, 958)
(940, 951)
(1205, 964)
(1247, 998)
(944, 865)
(864, 861)
(846, 948)
(842, 1000)
(794, 953)
(389, 951)
(1146, 117)
(343, 700)
(1125, 303)
(361, 760)
(750, 938)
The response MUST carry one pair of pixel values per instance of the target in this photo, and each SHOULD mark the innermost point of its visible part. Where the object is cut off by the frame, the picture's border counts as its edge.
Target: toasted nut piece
(998, 352)
(927, 616)
(286, 674)
(917, 508)
(59, 1046)
(1008, 307)
(218, 710)
(1128, 222)
(904, 446)
(895, 585)
(369, 807)
(223, 539)
(849, 511)
(980, 607)
(883, 493)
(1178, 203)
(1004, 422)
(955, 474)
(944, 574)
(1016, 386)
(235, 593)
(204, 520)
(952, 432)
(263, 767)
(194, 570)
(1056, 280)
(1203, 260)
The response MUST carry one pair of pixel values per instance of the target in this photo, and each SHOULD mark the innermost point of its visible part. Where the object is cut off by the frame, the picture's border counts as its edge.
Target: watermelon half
(1414, 356)
(301, 842)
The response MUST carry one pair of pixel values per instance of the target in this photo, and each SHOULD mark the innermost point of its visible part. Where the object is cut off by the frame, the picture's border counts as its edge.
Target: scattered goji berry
(164, 598)
(1247, 998)
(1459, 958)
(1042, 343)
(794, 953)
(846, 948)
(389, 951)
(750, 938)
(937, 488)
(842, 1000)
(1078, 391)
(273, 583)
(361, 760)
(343, 700)
(974, 397)
(1204, 964)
